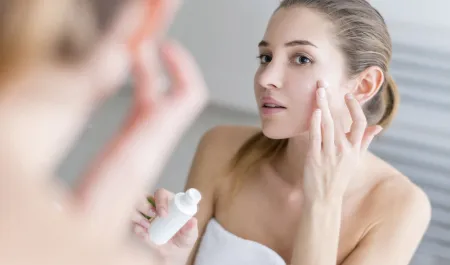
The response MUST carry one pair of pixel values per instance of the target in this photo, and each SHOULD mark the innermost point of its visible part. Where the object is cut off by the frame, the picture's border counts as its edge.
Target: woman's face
(296, 52)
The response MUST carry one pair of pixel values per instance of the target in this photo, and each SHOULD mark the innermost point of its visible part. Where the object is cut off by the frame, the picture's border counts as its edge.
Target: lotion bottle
(181, 209)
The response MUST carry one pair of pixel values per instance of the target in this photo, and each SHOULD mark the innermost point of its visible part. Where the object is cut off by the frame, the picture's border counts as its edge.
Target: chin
(278, 131)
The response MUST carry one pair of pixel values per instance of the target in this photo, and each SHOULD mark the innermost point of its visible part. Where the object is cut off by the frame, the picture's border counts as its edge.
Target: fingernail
(349, 96)
(321, 92)
(144, 223)
(151, 213)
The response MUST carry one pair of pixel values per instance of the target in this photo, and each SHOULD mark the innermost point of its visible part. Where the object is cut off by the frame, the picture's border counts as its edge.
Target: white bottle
(181, 209)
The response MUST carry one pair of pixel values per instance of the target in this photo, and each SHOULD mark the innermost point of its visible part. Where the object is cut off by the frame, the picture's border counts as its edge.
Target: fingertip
(151, 213)
(138, 229)
(322, 83)
(378, 129)
(193, 222)
(190, 225)
(167, 47)
(171, 49)
(321, 93)
(145, 223)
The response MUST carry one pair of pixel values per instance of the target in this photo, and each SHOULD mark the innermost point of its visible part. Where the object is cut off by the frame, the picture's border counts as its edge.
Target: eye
(264, 59)
(301, 59)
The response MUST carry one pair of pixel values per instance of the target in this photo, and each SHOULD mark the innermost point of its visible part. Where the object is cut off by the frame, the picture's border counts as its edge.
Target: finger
(147, 74)
(141, 232)
(187, 236)
(143, 222)
(133, 160)
(327, 122)
(184, 74)
(142, 46)
(162, 198)
(146, 207)
(359, 121)
(155, 21)
(315, 134)
(369, 135)
(143, 219)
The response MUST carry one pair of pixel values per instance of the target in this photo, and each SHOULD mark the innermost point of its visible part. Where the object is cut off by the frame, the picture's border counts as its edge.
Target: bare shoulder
(399, 213)
(230, 134)
(225, 140)
(398, 198)
(403, 193)
(215, 150)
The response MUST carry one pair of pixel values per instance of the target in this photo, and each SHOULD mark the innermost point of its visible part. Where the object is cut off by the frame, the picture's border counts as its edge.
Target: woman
(59, 59)
(304, 190)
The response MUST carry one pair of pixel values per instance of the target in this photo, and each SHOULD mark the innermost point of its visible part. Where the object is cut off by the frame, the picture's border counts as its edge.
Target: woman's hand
(177, 250)
(333, 155)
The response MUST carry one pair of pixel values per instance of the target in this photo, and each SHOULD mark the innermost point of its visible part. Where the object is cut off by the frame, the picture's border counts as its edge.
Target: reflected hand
(90, 226)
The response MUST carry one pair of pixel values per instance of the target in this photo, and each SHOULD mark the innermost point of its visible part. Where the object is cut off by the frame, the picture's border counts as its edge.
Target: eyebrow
(264, 43)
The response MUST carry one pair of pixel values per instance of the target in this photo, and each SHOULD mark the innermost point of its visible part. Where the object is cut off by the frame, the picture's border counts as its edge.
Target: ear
(370, 81)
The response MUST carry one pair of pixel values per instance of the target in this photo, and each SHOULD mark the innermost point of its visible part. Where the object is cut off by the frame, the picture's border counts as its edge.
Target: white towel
(220, 247)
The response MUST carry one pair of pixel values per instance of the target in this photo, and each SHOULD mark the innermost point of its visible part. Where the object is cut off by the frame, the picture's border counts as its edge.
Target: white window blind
(418, 143)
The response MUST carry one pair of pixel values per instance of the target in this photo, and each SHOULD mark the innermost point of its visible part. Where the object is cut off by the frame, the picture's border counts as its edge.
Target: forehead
(298, 23)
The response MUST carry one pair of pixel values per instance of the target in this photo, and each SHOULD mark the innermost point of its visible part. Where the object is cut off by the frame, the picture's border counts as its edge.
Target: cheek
(301, 86)
(332, 75)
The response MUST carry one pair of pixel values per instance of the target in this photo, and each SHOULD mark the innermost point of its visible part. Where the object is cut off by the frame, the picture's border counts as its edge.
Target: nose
(271, 76)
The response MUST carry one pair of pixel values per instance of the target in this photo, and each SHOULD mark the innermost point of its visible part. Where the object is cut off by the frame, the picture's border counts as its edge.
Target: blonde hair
(61, 30)
(362, 35)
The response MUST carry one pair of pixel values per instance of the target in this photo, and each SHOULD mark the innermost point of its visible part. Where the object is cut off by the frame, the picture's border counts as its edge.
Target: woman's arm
(201, 177)
(209, 167)
(329, 168)
(318, 233)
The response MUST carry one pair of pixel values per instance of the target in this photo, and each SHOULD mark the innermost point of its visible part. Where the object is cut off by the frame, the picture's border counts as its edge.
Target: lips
(270, 103)
(272, 106)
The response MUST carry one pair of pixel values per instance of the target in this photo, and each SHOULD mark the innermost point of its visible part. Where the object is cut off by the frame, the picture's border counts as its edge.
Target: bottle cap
(191, 197)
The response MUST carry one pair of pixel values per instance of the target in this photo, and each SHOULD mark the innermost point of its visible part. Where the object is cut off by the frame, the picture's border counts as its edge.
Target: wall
(106, 121)
(430, 13)
(223, 36)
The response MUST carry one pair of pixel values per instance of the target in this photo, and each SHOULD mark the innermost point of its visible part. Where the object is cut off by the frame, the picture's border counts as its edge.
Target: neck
(291, 163)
